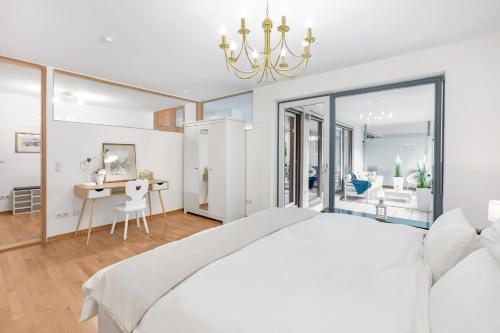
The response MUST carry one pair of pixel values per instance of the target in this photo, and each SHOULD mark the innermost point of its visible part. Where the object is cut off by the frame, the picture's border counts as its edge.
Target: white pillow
(467, 298)
(450, 239)
(490, 238)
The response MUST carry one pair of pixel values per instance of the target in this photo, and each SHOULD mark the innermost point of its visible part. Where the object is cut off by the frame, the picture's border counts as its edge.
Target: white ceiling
(173, 45)
(407, 105)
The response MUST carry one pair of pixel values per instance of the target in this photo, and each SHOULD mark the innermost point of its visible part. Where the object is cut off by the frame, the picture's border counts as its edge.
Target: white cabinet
(214, 169)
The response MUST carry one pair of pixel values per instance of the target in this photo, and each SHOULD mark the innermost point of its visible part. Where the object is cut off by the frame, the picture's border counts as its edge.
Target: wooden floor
(19, 228)
(40, 287)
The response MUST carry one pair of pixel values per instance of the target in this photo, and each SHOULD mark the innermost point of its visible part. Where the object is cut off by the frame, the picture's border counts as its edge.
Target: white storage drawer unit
(214, 169)
(26, 199)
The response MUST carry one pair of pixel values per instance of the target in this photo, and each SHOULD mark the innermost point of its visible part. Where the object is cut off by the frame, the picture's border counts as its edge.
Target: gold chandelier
(274, 63)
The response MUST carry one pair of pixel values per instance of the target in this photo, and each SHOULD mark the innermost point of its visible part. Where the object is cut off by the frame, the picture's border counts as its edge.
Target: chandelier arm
(248, 56)
(272, 75)
(241, 49)
(284, 73)
(239, 70)
(288, 49)
(246, 77)
(278, 57)
(259, 80)
(280, 42)
(300, 63)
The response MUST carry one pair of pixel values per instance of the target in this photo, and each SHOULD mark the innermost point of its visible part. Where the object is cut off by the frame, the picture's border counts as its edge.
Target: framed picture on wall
(28, 142)
(123, 167)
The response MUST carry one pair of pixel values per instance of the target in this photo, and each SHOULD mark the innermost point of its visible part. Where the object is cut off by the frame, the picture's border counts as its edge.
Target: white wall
(472, 71)
(70, 143)
(18, 113)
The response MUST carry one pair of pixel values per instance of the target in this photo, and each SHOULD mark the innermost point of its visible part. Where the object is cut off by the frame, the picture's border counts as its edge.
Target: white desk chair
(136, 191)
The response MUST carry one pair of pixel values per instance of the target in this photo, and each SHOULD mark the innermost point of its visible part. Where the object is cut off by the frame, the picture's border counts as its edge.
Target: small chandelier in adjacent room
(274, 62)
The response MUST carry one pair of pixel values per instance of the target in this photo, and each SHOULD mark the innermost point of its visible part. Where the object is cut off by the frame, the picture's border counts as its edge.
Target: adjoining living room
(384, 162)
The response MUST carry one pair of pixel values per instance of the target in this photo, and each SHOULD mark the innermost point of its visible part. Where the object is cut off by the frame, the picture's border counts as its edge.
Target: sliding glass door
(315, 179)
(303, 178)
(343, 155)
(291, 163)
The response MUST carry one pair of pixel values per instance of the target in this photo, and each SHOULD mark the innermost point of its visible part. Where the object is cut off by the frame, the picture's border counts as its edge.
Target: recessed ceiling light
(107, 39)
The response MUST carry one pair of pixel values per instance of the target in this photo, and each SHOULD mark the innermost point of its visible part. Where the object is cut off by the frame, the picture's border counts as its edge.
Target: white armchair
(371, 193)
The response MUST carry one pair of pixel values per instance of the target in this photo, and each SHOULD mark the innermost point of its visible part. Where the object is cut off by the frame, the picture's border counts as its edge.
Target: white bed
(329, 273)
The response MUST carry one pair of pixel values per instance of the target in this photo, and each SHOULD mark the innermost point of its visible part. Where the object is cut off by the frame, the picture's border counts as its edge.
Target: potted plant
(397, 180)
(424, 191)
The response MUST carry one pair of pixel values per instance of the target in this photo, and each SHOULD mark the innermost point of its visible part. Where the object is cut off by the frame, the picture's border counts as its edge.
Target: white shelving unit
(26, 200)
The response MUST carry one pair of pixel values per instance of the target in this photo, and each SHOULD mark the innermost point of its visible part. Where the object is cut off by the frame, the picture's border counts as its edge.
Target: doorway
(22, 186)
(396, 151)
(303, 151)
(360, 143)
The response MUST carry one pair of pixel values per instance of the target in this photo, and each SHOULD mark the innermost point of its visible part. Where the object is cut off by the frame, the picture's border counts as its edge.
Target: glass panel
(391, 148)
(338, 158)
(290, 158)
(347, 167)
(237, 107)
(83, 100)
(314, 161)
(20, 151)
(179, 117)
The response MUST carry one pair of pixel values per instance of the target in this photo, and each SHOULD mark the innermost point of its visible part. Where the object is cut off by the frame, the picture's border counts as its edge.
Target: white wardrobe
(214, 169)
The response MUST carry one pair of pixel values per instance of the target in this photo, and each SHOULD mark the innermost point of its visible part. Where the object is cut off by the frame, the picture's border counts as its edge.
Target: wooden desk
(107, 190)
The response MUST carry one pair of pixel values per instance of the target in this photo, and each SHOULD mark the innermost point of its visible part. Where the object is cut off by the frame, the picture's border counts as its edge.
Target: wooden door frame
(43, 133)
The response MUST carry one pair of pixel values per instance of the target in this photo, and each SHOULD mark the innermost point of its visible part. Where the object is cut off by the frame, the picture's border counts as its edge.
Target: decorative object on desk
(380, 210)
(424, 191)
(107, 157)
(99, 176)
(494, 211)
(28, 142)
(123, 168)
(398, 179)
(146, 174)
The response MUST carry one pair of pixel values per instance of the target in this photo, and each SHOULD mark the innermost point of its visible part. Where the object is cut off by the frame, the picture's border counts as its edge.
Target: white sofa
(371, 193)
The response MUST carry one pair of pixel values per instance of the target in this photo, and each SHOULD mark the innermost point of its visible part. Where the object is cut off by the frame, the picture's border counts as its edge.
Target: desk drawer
(101, 193)
(160, 186)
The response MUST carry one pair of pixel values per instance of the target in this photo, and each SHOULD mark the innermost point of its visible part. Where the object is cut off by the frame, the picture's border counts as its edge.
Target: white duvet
(332, 273)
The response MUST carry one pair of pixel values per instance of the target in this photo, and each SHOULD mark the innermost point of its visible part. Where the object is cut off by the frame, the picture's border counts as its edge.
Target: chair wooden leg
(113, 226)
(137, 219)
(145, 222)
(126, 227)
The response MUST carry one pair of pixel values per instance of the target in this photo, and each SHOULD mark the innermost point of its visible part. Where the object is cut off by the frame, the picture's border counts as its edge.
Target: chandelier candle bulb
(283, 20)
(243, 23)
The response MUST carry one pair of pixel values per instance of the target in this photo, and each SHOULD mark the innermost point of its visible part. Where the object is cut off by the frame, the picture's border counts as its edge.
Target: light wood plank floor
(18, 228)
(40, 287)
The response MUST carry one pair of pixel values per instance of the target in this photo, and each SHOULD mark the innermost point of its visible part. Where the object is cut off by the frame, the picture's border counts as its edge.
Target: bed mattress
(331, 273)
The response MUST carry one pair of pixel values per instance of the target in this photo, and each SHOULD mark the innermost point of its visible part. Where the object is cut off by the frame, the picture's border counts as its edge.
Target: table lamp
(494, 211)
(107, 156)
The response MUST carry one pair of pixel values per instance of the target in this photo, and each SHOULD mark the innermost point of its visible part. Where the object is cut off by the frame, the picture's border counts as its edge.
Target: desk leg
(150, 207)
(162, 206)
(81, 215)
(91, 220)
